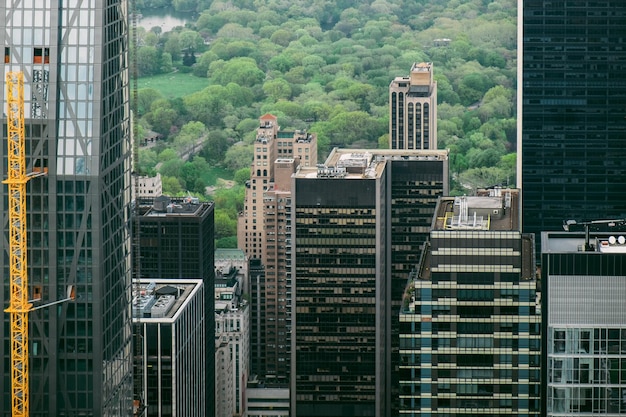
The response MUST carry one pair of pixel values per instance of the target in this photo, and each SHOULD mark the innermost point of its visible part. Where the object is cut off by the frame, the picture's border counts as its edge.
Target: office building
(74, 59)
(169, 330)
(268, 402)
(350, 215)
(232, 338)
(470, 326)
(263, 232)
(571, 102)
(413, 109)
(584, 324)
(176, 240)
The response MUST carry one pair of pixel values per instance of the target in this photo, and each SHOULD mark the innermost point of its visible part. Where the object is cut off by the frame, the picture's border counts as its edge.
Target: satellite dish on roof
(621, 240)
(612, 240)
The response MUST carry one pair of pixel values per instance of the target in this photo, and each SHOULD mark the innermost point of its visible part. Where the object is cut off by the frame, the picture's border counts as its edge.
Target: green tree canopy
(241, 71)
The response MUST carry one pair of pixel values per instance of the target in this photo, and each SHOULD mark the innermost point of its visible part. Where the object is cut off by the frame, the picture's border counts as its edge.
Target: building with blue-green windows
(469, 324)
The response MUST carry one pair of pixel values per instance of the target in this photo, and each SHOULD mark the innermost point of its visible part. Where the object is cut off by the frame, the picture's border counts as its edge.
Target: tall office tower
(350, 216)
(167, 312)
(470, 329)
(263, 232)
(571, 153)
(74, 58)
(584, 324)
(413, 109)
(176, 240)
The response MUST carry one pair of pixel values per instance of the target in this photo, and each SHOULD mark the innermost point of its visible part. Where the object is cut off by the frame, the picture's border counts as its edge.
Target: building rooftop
(568, 242)
(365, 163)
(164, 206)
(493, 209)
(162, 299)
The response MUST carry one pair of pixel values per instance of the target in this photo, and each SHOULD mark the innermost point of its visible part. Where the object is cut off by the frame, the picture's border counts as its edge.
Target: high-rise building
(74, 58)
(176, 240)
(358, 220)
(572, 103)
(584, 324)
(165, 313)
(470, 327)
(264, 232)
(232, 338)
(413, 109)
(270, 144)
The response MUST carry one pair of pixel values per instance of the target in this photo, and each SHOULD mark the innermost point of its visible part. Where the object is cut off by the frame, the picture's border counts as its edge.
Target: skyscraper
(584, 324)
(470, 330)
(571, 153)
(176, 239)
(263, 232)
(358, 221)
(74, 57)
(413, 109)
(165, 312)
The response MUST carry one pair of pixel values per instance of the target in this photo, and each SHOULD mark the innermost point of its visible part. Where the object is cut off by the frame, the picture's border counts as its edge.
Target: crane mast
(16, 182)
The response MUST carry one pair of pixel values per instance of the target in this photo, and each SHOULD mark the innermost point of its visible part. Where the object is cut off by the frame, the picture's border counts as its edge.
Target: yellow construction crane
(16, 182)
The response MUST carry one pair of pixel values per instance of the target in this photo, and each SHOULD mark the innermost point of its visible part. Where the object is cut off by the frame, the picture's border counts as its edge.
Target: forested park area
(324, 66)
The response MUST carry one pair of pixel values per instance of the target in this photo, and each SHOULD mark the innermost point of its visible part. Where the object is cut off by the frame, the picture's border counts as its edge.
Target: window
(40, 56)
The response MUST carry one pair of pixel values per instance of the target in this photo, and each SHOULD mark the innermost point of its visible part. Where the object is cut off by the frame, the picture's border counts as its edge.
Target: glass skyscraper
(573, 132)
(584, 324)
(359, 219)
(74, 57)
(469, 327)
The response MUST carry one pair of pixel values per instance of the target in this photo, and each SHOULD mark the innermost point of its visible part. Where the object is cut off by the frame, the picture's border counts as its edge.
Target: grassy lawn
(173, 85)
(212, 176)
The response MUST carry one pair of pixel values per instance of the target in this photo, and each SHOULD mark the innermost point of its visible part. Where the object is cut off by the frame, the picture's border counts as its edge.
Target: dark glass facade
(359, 223)
(340, 334)
(178, 242)
(573, 153)
(415, 187)
(74, 58)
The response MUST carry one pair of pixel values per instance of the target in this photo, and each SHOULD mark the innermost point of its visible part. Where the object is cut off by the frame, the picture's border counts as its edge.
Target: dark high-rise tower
(360, 220)
(74, 57)
(573, 132)
(176, 239)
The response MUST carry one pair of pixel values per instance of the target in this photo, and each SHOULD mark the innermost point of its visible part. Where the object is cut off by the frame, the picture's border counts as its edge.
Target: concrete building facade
(232, 343)
(413, 109)
(263, 232)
